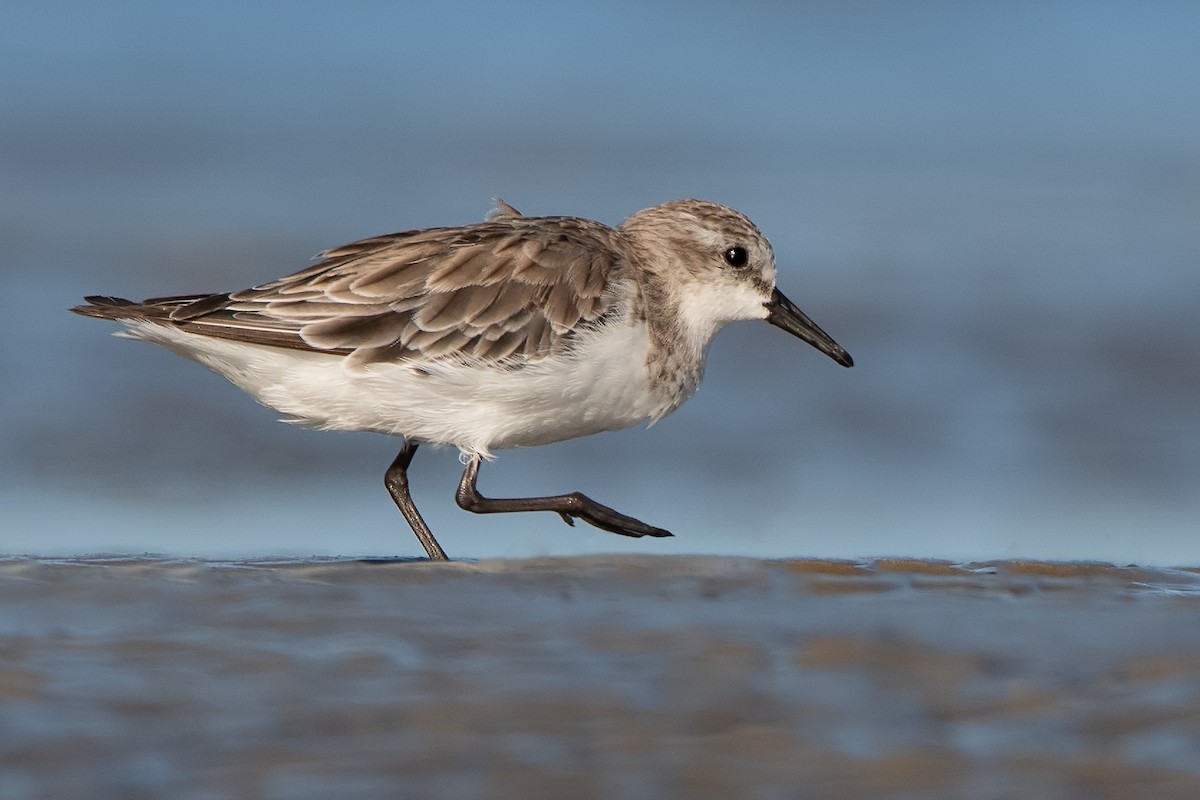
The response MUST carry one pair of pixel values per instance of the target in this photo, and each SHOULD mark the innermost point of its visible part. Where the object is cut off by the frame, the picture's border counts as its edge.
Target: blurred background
(994, 207)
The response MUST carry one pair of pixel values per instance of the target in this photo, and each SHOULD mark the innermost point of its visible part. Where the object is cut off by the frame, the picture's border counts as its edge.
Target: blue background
(994, 207)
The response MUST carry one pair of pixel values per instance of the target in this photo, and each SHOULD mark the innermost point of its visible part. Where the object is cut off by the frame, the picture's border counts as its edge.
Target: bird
(516, 331)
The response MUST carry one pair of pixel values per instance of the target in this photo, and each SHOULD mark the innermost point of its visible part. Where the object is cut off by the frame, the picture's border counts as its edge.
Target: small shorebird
(513, 332)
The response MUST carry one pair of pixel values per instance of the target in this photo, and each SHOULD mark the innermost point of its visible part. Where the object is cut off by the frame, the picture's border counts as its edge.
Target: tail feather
(203, 314)
(104, 307)
(160, 308)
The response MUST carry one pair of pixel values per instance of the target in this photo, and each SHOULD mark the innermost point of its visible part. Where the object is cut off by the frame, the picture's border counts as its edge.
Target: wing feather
(509, 310)
(510, 289)
(354, 331)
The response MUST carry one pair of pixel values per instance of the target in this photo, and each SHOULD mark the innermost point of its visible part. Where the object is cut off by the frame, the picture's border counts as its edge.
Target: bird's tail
(164, 309)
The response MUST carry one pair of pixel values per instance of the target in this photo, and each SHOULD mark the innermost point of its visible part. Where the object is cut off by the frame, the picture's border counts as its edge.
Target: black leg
(568, 506)
(396, 481)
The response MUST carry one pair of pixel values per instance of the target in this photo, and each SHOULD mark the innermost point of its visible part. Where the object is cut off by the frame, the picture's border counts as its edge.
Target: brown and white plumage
(505, 290)
(512, 332)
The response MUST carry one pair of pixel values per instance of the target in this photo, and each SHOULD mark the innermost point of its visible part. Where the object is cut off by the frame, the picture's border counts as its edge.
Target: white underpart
(603, 385)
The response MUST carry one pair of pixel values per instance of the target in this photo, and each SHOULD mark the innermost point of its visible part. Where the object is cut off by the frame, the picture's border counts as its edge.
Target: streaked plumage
(512, 332)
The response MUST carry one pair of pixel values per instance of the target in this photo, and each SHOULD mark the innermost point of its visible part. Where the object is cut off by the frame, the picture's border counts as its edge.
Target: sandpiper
(513, 332)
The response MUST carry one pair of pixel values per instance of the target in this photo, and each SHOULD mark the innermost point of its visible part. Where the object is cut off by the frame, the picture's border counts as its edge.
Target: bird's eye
(736, 257)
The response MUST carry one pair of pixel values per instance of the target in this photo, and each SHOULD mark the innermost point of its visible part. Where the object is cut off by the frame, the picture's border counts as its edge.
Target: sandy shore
(621, 676)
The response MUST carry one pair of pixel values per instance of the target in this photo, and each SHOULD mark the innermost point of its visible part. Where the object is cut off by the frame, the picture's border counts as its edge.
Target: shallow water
(597, 676)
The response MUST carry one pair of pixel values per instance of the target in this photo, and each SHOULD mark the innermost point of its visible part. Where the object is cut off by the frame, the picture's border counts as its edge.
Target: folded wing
(510, 289)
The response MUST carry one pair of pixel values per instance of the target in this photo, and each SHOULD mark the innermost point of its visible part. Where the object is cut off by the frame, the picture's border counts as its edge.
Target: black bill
(783, 313)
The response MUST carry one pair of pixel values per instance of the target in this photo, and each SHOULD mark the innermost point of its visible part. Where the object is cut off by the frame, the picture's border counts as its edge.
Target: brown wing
(510, 288)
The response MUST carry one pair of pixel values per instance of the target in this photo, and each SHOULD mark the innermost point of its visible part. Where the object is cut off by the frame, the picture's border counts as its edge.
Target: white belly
(603, 385)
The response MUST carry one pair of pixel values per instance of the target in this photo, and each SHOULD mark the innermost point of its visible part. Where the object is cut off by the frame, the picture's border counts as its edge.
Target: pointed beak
(784, 314)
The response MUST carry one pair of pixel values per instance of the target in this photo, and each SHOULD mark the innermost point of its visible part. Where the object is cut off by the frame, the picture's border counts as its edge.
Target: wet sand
(615, 676)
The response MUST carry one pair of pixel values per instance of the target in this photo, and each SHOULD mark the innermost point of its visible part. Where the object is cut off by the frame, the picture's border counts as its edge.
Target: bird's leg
(568, 506)
(396, 481)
